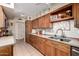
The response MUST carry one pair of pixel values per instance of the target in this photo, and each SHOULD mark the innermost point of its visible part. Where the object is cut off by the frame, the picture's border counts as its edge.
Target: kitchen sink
(64, 39)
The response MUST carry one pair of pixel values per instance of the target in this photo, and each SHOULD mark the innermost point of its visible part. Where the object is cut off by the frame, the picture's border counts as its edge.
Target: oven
(74, 51)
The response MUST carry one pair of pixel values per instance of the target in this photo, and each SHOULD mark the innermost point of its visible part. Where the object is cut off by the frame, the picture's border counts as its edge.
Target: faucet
(63, 35)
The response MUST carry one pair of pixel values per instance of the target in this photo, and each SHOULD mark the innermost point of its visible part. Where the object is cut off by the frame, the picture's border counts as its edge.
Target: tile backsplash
(67, 26)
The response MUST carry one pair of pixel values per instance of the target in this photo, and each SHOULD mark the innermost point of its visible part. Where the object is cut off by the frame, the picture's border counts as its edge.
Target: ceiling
(31, 9)
(9, 12)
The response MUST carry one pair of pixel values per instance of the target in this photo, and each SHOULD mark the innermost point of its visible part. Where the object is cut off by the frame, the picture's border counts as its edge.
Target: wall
(73, 32)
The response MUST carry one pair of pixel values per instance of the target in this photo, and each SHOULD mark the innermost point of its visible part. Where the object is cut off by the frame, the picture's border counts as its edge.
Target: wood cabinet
(35, 24)
(6, 50)
(28, 26)
(47, 21)
(62, 50)
(2, 18)
(42, 22)
(49, 47)
(41, 45)
(28, 29)
(76, 14)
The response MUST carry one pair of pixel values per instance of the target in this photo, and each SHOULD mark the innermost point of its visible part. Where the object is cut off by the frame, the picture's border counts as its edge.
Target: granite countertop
(73, 42)
(7, 40)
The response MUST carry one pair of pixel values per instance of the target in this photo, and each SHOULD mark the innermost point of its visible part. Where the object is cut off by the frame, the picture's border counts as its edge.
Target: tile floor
(22, 48)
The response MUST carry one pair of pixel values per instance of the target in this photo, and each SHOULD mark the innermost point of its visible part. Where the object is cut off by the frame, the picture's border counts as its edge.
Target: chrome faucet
(63, 35)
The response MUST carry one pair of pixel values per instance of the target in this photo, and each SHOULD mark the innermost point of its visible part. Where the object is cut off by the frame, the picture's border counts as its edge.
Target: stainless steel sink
(65, 39)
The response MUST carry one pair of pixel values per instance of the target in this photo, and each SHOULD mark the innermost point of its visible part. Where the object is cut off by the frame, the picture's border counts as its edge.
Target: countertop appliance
(74, 51)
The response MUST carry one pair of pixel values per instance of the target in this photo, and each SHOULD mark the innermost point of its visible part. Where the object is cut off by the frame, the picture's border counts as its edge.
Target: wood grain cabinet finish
(28, 29)
(35, 24)
(2, 17)
(76, 14)
(62, 50)
(49, 47)
(44, 21)
(6, 50)
(47, 21)
(41, 22)
(41, 45)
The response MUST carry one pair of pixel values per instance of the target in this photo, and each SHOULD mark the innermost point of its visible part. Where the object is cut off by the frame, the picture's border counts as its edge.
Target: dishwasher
(74, 51)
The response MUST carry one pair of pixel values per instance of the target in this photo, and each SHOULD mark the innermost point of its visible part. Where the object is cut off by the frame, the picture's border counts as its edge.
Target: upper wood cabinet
(2, 18)
(76, 14)
(35, 24)
(42, 22)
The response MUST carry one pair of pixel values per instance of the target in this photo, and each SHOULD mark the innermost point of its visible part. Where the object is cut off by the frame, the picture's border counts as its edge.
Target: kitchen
(52, 32)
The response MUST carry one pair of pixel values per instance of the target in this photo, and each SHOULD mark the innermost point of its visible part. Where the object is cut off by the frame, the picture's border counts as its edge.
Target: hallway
(24, 49)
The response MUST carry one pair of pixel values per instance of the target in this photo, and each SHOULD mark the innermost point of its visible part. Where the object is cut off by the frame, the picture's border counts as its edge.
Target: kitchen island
(6, 45)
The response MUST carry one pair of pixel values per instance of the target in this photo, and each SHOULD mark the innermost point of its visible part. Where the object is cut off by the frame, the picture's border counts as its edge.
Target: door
(19, 30)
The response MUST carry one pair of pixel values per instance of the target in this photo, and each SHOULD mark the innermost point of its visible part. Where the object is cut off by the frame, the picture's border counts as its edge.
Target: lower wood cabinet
(49, 47)
(41, 45)
(6, 50)
(47, 50)
(62, 53)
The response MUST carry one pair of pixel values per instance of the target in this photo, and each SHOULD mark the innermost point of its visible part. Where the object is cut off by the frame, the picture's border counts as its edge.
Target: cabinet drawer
(6, 51)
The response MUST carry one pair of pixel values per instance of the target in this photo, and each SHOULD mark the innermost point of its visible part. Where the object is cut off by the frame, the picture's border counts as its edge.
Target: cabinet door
(61, 53)
(77, 15)
(47, 50)
(75, 10)
(28, 29)
(6, 50)
(28, 26)
(44, 21)
(40, 22)
(31, 39)
(47, 21)
(52, 46)
(27, 38)
(42, 44)
(62, 50)
(2, 18)
(35, 23)
(53, 51)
